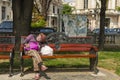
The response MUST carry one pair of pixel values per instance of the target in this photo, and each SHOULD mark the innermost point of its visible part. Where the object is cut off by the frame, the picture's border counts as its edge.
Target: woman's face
(39, 38)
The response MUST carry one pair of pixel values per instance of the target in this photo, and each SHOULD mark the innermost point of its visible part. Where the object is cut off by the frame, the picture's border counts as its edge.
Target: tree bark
(22, 14)
(45, 4)
(102, 25)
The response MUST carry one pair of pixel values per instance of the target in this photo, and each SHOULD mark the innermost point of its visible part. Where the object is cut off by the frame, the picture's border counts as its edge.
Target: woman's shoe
(43, 67)
(37, 76)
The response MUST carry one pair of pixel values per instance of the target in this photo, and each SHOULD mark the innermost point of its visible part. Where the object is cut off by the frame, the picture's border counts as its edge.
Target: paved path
(66, 75)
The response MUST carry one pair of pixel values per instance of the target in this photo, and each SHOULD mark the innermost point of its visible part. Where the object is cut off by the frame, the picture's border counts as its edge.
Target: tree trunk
(45, 4)
(22, 14)
(102, 25)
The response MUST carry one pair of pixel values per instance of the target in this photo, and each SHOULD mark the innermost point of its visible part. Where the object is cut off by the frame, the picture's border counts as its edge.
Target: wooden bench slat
(4, 57)
(71, 45)
(73, 49)
(6, 47)
(70, 48)
(25, 56)
(70, 56)
(66, 56)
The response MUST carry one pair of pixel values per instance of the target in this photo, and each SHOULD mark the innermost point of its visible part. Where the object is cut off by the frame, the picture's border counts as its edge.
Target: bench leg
(91, 64)
(21, 64)
(94, 62)
(11, 64)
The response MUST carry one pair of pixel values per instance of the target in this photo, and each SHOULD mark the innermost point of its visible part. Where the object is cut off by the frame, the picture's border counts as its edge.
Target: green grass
(110, 60)
(107, 59)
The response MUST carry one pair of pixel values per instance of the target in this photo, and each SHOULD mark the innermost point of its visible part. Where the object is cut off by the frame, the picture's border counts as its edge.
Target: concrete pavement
(66, 75)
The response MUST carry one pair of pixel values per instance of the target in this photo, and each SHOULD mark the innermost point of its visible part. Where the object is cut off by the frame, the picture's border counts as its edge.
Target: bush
(118, 8)
(40, 23)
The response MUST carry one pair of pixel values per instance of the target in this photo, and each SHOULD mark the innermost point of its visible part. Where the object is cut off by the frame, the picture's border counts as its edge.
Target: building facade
(91, 8)
(53, 14)
(5, 10)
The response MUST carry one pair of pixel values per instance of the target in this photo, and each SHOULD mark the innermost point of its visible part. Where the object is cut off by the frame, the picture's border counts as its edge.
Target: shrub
(118, 8)
(40, 23)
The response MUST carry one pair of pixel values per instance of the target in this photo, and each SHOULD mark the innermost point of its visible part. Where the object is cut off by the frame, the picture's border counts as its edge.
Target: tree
(22, 14)
(37, 20)
(66, 9)
(44, 5)
(102, 24)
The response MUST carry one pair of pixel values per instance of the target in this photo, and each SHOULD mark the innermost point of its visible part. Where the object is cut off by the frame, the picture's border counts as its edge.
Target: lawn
(110, 60)
(107, 59)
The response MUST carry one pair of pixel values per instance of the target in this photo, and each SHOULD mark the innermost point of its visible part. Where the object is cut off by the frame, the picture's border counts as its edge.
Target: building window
(53, 22)
(3, 12)
(58, 11)
(107, 22)
(85, 4)
(53, 9)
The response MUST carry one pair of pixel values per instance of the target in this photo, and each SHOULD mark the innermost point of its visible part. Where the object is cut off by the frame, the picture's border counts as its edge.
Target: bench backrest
(7, 43)
(68, 46)
(73, 47)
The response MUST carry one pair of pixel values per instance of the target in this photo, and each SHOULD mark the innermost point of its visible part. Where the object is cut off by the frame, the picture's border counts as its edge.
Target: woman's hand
(26, 45)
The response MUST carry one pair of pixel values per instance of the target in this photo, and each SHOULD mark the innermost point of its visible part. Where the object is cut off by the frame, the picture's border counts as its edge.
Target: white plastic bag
(46, 50)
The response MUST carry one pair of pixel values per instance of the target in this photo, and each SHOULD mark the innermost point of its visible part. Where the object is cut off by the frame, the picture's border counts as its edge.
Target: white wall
(118, 2)
(119, 21)
(79, 4)
(91, 4)
(111, 4)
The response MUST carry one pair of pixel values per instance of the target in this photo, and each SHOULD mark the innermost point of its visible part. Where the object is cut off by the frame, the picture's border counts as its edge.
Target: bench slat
(70, 56)
(4, 57)
(73, 49)
(66, 56)
(71, 45)
(6, 47)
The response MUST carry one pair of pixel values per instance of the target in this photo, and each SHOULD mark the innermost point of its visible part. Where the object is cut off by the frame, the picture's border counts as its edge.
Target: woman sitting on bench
(32, 46)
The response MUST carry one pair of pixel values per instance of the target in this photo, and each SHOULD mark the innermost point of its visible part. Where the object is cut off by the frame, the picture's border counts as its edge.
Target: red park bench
(7, 46)
(68, 47)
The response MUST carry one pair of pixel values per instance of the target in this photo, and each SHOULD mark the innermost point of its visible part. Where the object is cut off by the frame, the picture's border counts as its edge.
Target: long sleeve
(29, 38)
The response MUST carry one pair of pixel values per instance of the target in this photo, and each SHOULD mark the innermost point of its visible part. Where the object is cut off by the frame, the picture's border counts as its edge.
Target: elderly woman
(32, 46)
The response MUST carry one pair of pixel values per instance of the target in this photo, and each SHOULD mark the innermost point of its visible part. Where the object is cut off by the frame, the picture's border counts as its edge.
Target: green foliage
(66, 9)
(118, 8)
(39, 23)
